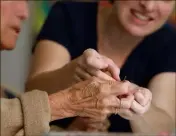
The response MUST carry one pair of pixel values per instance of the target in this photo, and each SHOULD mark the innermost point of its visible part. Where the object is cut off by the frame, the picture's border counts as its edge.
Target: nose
(23, 12)
(148, 5)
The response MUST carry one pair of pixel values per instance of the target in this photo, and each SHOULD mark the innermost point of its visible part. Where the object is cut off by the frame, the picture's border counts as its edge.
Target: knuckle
(125, 85)
(125, 104)
(144, 89)
(89, 60)
(87, 55)
(88, 51)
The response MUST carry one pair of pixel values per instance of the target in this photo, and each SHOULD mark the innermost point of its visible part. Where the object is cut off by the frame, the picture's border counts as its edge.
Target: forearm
(52, 81)
(154, 121)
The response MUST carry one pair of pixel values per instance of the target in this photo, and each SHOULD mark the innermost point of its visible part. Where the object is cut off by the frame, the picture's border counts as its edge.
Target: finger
(126, 102)
(147, 94)
(143, 96)
(100, 74)
(94, 60)
(77, 78)
(113, 69)
(126, 113)
(82, 73)
(110, 101)
(120, 88)
(137, 108)
(140, 98)
(93, 81)
(147, 106)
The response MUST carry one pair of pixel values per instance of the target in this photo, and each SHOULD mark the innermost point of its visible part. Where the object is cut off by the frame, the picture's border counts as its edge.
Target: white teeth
(140, 16)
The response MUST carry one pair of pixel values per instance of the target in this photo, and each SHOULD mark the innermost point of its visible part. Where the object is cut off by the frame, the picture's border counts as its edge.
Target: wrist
(59, 105)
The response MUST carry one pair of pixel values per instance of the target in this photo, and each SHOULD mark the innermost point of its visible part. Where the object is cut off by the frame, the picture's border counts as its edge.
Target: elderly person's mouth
(16, 29)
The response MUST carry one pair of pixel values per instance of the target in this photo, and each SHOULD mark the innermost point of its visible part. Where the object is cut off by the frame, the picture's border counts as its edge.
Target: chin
(8, 43)
(7, 46)
(138, 32)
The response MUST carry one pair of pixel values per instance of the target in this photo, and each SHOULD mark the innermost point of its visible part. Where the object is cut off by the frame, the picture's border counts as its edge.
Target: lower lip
(16, 32)
(138, 21)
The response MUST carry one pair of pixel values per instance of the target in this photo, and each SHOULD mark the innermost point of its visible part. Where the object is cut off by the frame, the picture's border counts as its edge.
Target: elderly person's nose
(23, 11)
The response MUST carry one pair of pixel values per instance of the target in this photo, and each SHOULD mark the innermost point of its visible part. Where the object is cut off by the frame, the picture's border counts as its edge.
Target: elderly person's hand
(88, 124)
(93, 98)
(135, 104)
(91, 63)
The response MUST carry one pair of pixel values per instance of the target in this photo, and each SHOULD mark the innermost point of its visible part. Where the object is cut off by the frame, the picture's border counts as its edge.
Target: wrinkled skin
(94, 98)
(135, 103)
(13, 13)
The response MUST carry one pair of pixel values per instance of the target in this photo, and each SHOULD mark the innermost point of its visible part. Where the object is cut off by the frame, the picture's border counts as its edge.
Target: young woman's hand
(91, 63)
(135, 104)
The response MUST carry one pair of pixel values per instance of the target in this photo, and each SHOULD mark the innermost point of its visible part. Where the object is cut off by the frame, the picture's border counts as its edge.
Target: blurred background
(14, 66)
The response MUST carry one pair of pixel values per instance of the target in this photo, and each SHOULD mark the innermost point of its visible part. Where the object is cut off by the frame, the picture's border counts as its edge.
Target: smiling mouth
(141, 16)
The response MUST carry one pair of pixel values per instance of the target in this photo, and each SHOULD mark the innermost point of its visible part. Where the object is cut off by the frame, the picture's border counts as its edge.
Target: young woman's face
(143, 17)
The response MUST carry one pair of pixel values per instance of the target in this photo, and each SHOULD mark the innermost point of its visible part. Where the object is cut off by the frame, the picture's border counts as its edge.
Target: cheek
(123, 8)
(165, 12)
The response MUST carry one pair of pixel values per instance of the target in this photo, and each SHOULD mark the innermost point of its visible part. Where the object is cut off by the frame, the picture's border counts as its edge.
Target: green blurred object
(40, 11)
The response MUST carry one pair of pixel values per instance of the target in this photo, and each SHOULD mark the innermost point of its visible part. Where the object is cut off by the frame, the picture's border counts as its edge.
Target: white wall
(15, 64)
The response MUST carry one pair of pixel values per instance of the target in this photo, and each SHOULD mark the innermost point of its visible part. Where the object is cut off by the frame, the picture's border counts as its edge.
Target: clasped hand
(136, 100)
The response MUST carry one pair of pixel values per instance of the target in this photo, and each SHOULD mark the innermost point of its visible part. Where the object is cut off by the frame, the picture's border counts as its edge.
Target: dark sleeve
(55, 27)
(166, 58)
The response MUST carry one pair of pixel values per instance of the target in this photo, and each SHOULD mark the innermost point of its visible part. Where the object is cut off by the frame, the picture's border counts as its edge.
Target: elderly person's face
(12, 14)
(143, 17)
